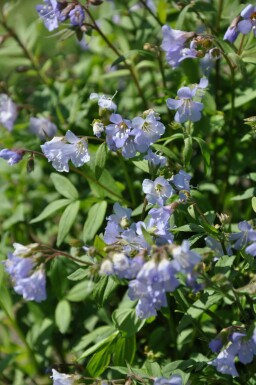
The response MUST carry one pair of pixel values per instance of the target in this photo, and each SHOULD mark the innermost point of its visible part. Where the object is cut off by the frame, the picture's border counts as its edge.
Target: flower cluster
(240, 346)
(54, 12)
(28, 280)
(128, 136)
(158, 277)
(149, 268)
(133, 136)
(60, 150)
(188, 104)
(245, 23)
(181, 45)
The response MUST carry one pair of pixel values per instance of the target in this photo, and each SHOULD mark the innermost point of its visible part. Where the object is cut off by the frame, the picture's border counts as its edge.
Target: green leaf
(127, 321)
(66, 221)
(204, 150)
(254, 204)
(191, 227)
(162, 10)
(64, 186)
(100, 159)
(197, 309)
(100, 345)
(147, 236)
(63, 315)
(124, 351)
(78, 274)
(99, 361)
(95, 218)
(187, 151)
(142, 165)
(224, 264)
(249, 193)
(182, 16)
(103, 289)
(166, 151)
(249, 289)
(152, 368)
(50, 209)
(80, 291)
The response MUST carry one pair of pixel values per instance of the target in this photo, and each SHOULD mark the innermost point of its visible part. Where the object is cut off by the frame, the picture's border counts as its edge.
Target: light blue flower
(174, 45)
(147, 130)
(174, 380)
(186, 106)
(157, 191)
(77, 15)
(224, 363)
(48, 13)
(12, 156)
(32, 287)
(249, 22)
(60, 150)
(8, 112)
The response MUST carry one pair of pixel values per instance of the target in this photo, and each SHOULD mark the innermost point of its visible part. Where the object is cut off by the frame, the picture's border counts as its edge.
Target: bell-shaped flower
(62, 149)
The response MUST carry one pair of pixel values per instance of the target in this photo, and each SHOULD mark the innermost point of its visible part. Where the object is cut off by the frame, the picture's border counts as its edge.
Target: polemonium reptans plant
(130, 202)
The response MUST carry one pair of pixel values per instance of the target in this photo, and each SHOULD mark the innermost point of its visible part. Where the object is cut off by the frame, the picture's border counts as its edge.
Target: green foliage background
(88, 324)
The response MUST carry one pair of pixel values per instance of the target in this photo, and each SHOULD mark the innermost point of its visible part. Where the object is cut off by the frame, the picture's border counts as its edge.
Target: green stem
(220, 9)
(67, 255)
(116, 51)
(143, 2)
(241, 46)
(17, 329)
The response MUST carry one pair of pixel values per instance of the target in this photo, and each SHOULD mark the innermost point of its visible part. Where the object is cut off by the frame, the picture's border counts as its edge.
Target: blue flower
(249, 22)
(157, 191)
(117, 132)
(174, 380)
(147, 130)
(246, 348)
(12, 156)
(62, 378)
(60, 150)
(117, 223)
(33, 287)
(246, 235)
(77, 16)
(104, 102)
(154, 160)
(8, 112)
(186, 258)
(251, 249)
(232, 32)
(48, 13)
(224, 363)
(42, 127)
(174, 45)
(215, 345)
(27, 282)
(187, 108)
